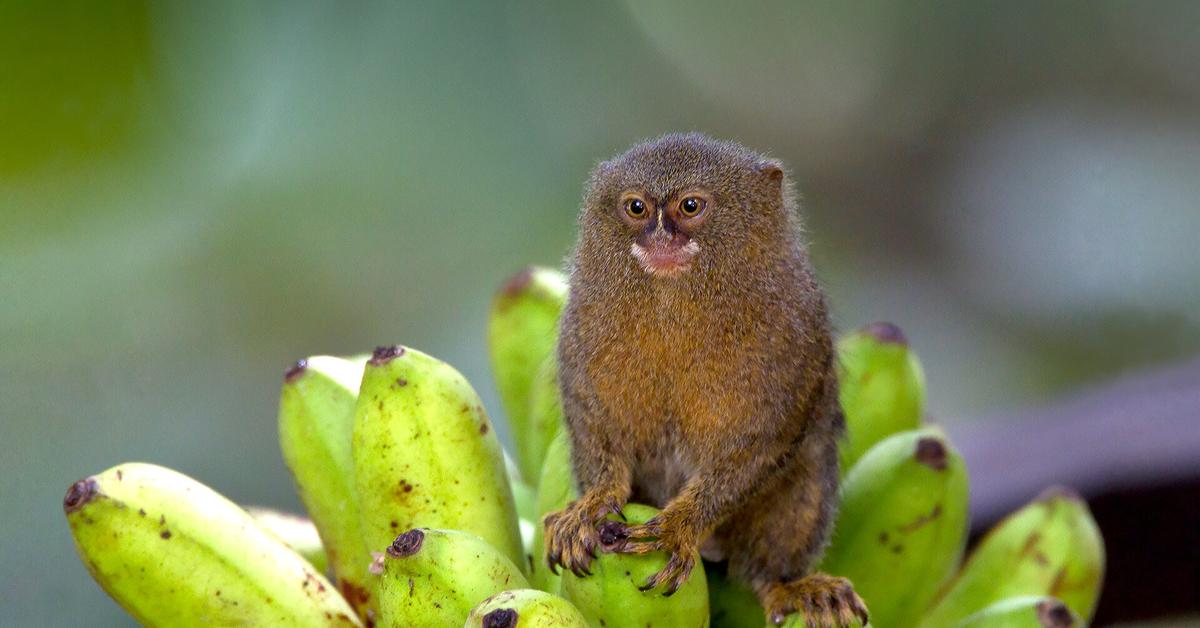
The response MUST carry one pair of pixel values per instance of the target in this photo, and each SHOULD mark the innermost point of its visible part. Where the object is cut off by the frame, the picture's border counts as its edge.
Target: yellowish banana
(173, 552)
(435, 577)
(316, 427)
(881, 387)
(425, 454)
(522, 329)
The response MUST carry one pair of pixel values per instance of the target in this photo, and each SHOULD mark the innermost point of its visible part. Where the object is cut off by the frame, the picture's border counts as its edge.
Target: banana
(1027, 611)
(425, 454)
(1050, 547)
(524, 499)
(522, 328)
(545, 413)
(316, 426)
(610, 596)
(902, 525)
(556, 489)
(296, 532)
(525, 608)
(881, 388)
(526, 529)
(434, 577)
(173, 552)
(731, 604)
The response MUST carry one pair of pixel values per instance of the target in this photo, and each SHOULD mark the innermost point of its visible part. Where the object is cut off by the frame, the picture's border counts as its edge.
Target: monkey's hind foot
(822, 600)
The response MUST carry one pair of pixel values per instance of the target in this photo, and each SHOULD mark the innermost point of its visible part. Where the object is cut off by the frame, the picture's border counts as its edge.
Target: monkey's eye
(692, 206)
(635, 207)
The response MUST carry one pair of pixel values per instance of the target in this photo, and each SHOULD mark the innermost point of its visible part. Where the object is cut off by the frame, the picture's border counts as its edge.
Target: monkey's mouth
(665, 259)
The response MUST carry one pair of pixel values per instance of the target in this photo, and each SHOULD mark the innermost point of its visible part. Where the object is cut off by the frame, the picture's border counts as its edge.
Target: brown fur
(710, 394)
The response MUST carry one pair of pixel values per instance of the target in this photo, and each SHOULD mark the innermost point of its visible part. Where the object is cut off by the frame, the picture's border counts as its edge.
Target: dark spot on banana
(165, 534)
(79, 494)
(356, 595)
(407, 544)
(931, 452)
(294, 371)
(516, 284)
(401, 382)
(382, 355)
(1054, 614)
(500, 618)
(483, 428)
(922, 520)
(886, 332)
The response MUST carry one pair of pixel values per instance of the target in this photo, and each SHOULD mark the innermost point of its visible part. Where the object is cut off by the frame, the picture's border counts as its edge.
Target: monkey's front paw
(571, 535)
(652, 536)
(819, 599)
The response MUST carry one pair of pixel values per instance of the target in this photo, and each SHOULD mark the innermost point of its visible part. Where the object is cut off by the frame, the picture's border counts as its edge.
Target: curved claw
(673, 575)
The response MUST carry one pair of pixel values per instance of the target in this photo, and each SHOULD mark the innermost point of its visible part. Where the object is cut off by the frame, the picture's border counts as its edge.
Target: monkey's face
(662, 229)
(682, 205)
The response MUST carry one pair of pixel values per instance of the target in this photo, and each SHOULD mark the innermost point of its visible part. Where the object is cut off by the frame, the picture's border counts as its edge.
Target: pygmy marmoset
(697, 372)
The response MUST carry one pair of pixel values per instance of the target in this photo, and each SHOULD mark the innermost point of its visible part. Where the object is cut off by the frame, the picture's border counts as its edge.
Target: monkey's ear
(772, 171)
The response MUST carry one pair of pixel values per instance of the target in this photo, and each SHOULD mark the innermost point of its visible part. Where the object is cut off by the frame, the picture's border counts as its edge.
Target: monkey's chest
(669, 395)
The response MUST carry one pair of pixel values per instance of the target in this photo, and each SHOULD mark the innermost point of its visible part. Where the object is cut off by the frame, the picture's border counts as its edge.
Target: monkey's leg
(605, 480)
(775, 541)
(728, 480)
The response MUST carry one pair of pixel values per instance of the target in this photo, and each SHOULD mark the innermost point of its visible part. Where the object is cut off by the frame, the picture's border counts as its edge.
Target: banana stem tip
(79, 494)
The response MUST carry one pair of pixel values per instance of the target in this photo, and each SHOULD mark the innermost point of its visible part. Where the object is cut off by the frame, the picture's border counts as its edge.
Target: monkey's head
(684, 204)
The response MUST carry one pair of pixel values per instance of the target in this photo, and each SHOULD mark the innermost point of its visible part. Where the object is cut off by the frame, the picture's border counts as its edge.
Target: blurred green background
(192, 195)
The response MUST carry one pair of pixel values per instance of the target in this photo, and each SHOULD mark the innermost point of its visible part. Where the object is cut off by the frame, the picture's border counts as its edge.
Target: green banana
(1027, 611)
(731, 604)
(316, 426)
(296, 532)
(434, 577)
(556, 489)
(525, 608)
(902, 526)
(173, 552)
(522, 328)
(1049, 547)
(611, 597)
(545, 413)
(425, 454)
(881, 388)
(524, 499)
(510, 467)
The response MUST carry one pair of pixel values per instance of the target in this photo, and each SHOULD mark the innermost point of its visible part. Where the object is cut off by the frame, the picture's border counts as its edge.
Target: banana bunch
(421, 519)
